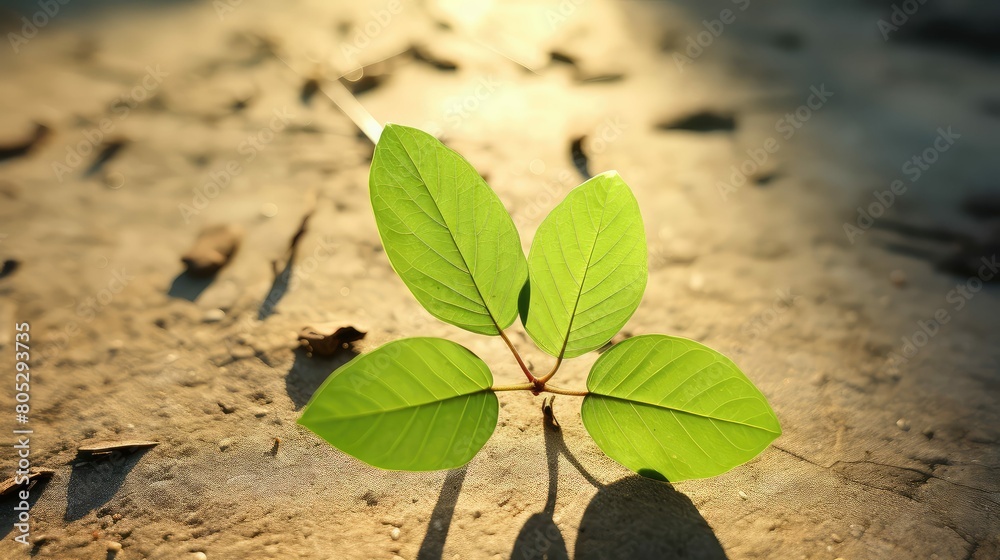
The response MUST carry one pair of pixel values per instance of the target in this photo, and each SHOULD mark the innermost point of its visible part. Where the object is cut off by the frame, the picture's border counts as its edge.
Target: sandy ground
(889, 451)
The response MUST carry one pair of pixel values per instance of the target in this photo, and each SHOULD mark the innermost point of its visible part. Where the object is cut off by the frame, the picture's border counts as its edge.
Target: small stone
(259, 412)
(742, 494)
(836, 538)
(200, 556)
(477, 514)
(394, 533)
(225, 443)
(898, 278)
(903, 424)
(227, 407)
(269, 209)
(114, 546)
(213, 316)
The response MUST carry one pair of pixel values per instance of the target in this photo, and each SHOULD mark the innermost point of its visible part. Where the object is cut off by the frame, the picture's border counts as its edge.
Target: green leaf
(587, 268)
(445, 231)
(416, 404)
(670, 408)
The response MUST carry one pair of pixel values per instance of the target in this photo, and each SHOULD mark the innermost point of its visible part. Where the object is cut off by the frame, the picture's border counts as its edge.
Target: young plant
(665, 407)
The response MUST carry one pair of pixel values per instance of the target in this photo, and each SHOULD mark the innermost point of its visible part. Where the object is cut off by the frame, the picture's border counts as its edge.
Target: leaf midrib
(583, 281)
(408, 406)
(451, 234)
(682, 411)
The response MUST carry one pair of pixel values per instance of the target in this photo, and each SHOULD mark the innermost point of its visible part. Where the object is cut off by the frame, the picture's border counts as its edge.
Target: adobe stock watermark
(47, 11)
(459, 109)
(220, 179)
(913, 169)
(225, 7)
(899, 17)
(958, 299)
(787, 126)
(121, 107)
(697, 43)
(365, 34)
(558, 15)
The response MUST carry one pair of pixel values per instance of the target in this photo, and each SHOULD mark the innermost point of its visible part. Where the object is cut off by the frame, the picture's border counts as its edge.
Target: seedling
(665, 407)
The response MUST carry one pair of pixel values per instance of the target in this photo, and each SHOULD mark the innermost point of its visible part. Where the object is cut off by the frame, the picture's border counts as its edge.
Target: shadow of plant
(633, 518)
(432, 547)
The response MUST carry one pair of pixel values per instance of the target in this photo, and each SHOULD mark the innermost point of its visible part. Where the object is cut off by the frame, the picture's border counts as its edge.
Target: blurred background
(185, 224)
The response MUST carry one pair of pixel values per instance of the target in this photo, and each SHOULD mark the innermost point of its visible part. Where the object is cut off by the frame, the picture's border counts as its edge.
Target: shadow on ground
(93, 484)
(635, 518)
(188, 286)
(9, 516)
(308, 373)
(432, 547)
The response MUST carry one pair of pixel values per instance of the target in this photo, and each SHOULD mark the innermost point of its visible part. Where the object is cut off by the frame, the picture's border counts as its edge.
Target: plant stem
(517, 356)
(518, 387)
(552, 372)
(561, 391)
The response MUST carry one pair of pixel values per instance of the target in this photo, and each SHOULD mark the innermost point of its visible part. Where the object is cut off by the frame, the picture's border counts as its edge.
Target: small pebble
(903, 424)
(269, 210)
(259, 412)
(836, 538)
(200, 556)
(114, 546)
(898, 278)
(743, 494)
(213, 316)
(225, 444)
(477, 514)
(394, 533)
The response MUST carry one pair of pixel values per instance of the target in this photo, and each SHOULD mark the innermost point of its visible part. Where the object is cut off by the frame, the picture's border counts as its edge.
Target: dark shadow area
(432, 547)
(278, 290)
(21, 148)
(540, 538)
(639, 518)
(108, 151)
(188, 286)
(282, 279)
(308, 373)
(92, 484)
(9, 267)
(703, 121)
(9, 516)
(635, 518)
(579, 157)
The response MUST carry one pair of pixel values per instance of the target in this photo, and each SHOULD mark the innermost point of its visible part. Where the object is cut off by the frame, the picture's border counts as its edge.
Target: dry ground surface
(889, 451)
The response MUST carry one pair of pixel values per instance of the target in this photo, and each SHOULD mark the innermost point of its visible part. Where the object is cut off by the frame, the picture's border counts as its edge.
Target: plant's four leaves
(670, 408)
(445, 231)
(416, 404)
(587, 268)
